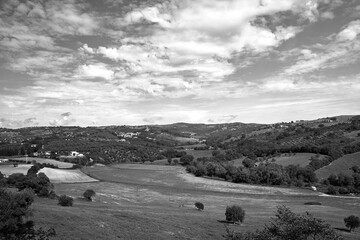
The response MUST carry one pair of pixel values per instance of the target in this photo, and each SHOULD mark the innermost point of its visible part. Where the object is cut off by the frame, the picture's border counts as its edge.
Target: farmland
(55, 175)
(44, 160)
(301, 159)
(140, 201)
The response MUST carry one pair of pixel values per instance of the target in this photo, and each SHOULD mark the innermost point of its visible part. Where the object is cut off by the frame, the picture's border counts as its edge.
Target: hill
(341, 165)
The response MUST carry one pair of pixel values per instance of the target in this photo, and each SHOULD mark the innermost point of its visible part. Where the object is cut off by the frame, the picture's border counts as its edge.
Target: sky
(130, 62)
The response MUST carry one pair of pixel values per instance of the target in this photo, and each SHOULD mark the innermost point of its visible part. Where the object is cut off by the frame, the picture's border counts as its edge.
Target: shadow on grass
(342, 229)
(228, 222)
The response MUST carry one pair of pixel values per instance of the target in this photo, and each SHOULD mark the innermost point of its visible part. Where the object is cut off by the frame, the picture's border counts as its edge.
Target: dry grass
(301, 159)
(55, 175)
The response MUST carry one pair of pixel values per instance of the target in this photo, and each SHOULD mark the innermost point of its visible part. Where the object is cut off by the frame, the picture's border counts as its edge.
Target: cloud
(10, 123)
(350, 32)
(64, 119)
(223, 119)
(152, 120)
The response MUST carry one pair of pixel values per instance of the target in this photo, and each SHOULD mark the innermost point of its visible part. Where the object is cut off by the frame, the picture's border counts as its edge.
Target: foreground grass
(132, 203)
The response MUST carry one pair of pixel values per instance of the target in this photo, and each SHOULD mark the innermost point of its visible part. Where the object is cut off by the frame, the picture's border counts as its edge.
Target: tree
(14, 209)
(65, 201)
(186, 159)
(88, 194)
(289, 225)
(352, 222)
(234, 214)
(199, 206)
(248, 163)
(169, 160)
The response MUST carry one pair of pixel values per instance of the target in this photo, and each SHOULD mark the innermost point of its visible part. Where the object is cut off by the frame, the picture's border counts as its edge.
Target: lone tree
(88, 194)
(199, 206)
(235, 214)
(352, 222)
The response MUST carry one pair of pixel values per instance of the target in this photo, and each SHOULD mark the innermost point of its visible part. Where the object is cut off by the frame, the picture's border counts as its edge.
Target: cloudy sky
(133, 62)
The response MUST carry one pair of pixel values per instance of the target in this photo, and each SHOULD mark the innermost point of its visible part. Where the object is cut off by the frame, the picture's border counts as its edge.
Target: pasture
(140, 201)
(340, 165)
(44, 160)
(301, 159)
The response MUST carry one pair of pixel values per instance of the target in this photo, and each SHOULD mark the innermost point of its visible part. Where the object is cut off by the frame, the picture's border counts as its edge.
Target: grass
(301, 159)
(140, 201)
(340, 165)
(44, 160)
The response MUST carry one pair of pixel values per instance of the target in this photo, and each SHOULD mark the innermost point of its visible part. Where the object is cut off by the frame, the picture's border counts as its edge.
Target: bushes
(352, 222)
(199, 206)
(88, 194)
(65, 201)
(234, 214)
(289, 225)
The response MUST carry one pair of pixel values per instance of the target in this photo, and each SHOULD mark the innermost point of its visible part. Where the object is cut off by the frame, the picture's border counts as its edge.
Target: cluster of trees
(343, 183)
(38, 182)
(263, 173)
(289, 225)
(14, 212)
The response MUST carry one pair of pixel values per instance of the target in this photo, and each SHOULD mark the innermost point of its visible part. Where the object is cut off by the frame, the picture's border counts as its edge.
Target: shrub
(331, 190)
(88, 194)
(234, 214)
(352, 222)
(199, 206)
(65, 201)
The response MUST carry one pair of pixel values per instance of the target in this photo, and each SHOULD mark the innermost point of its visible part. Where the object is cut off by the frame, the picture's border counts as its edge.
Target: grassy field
(340, 165)
(55, 175)
(45, 160)
(199, 153)
(140, 201)
(301, 159)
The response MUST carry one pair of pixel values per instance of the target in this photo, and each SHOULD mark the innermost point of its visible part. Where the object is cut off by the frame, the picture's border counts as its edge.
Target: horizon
(112, 63)
(174, 123)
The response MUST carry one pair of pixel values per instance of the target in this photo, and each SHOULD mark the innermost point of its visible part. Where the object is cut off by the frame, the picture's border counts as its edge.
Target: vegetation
(235, 214)
(65, 201)
(14, 209)
(352, 222)
(289, 225)
(88, 194)
(199, 206)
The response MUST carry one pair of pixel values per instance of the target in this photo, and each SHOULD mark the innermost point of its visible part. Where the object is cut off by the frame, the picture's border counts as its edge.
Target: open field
(200, 153)
(55, 175)
(45, 160)
(140, 201)
(340, 165)
(301, 159)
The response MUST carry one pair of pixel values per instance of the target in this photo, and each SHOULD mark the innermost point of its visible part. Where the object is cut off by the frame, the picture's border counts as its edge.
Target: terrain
(140, 201)
(143, 193)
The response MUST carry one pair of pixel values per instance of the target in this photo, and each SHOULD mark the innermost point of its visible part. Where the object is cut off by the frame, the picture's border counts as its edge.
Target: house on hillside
(4, 160)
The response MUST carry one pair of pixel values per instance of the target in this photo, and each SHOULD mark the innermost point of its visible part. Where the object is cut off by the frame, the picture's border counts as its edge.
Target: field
(340, 165)
(55, 175)
(140, 201)
(301, 159)
(44, 160)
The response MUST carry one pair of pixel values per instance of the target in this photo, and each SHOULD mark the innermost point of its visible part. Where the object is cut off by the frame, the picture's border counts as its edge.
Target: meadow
(340, 165)
(44, 160)
(145, 201)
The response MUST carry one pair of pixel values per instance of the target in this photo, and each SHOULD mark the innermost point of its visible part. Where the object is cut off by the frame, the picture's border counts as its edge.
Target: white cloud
(95, 71)
(350, 32)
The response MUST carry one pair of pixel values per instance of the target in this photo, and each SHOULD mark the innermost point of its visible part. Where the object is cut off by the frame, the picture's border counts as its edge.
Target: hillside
(341, 165)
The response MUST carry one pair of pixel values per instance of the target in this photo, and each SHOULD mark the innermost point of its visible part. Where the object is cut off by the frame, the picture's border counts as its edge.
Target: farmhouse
(4, 160)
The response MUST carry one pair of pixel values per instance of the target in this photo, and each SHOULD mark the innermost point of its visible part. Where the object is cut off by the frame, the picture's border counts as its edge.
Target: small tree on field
(199, 206)
(65, 201)
(234, 214)
(88, 194)
(169, 160)
(352, 222)
(176, 161)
